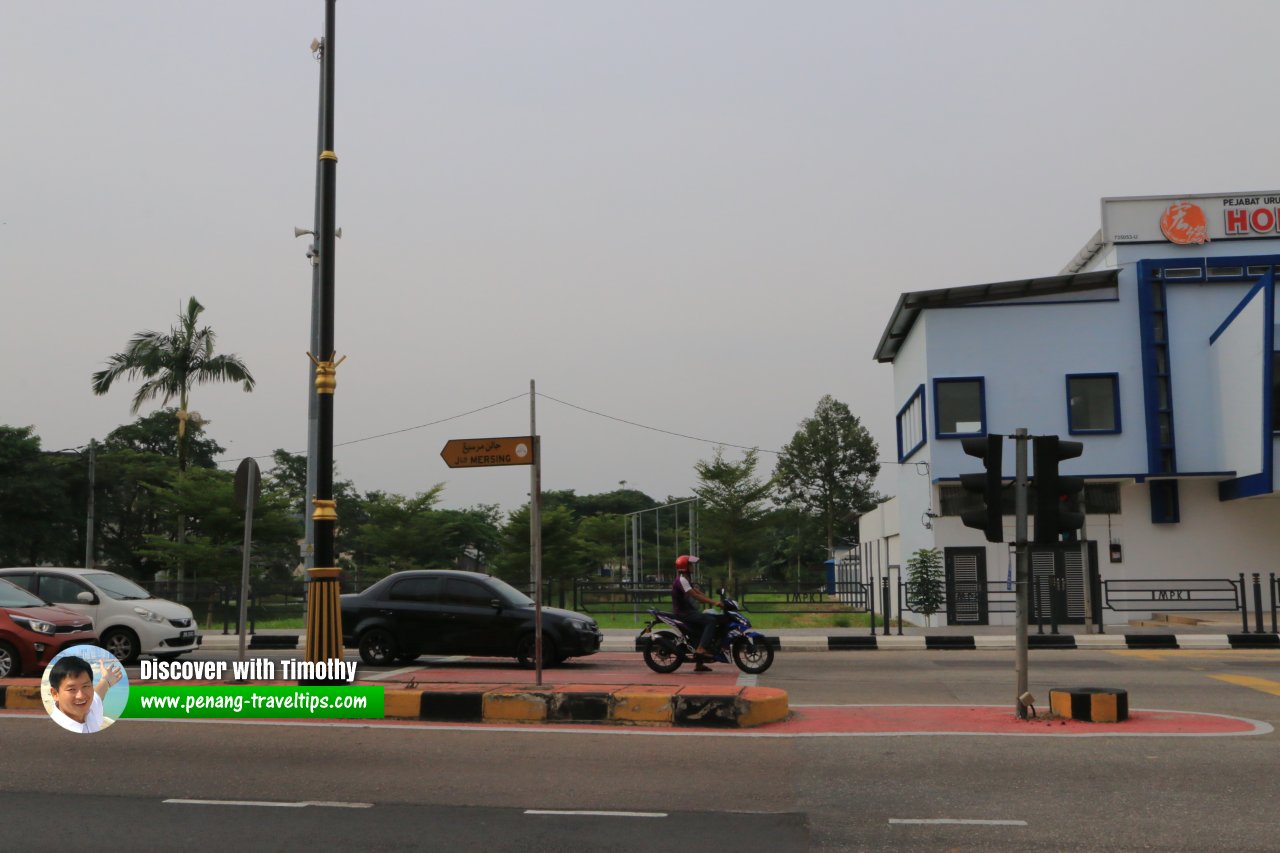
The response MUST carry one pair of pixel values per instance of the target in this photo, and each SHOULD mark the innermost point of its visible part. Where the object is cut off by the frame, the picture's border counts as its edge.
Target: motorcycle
(669, 647)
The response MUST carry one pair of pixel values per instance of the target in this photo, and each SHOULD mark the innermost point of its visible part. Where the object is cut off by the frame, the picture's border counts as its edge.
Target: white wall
(1236, 372)
(1025, 354)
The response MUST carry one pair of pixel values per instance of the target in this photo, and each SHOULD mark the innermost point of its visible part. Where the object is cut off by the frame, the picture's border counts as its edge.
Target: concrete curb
(649, 705)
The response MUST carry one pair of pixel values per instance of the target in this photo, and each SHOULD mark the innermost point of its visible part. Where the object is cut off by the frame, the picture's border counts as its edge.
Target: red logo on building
(1184, 223)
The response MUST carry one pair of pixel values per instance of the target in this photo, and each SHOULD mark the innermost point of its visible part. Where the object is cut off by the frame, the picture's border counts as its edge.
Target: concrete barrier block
(1091, 704)
(760, 705)
(18, 697)
(522, 707)
(706, 707)
(651, 705)
(402, 704)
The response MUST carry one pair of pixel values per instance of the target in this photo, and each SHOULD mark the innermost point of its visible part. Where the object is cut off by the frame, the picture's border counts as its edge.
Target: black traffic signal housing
(1058, 509)
(989, 519)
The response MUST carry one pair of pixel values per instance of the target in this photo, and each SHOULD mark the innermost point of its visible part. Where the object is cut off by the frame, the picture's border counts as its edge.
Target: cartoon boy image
(77, 703)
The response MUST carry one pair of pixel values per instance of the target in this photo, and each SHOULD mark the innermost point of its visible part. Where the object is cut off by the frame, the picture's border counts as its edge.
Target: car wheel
(10, 664)
(378, 647)
(122, 643)
(525, 651)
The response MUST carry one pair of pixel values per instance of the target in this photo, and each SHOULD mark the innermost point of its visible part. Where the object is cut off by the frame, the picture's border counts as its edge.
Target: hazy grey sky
(692, 215)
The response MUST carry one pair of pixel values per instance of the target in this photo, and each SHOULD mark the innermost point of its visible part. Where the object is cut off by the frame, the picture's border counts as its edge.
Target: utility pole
(88, 532)
(313, 404)
(1023, 570)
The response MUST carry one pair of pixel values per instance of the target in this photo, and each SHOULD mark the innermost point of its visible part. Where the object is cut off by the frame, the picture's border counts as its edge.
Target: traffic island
(635, 705)
(1090, 704)
(728, 706)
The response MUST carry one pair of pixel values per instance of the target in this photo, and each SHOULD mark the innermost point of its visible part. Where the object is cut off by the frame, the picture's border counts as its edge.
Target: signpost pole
(1023, 570)
(248, 483)
(535, 533)
(1084, 565)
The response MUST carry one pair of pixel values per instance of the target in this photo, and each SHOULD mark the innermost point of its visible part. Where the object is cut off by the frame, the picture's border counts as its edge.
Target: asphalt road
(418, 786)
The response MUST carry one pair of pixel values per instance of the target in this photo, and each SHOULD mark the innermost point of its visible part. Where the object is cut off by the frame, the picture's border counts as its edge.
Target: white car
(130, 622)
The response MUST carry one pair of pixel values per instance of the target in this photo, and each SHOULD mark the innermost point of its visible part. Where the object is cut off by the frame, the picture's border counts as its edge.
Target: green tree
(171, 365)
(398, 533)
(212, 552)
(733, 502)
(137, 461)
(600, 538)
(829, 466)
(563, 558)
(926, 581)
(34, 510)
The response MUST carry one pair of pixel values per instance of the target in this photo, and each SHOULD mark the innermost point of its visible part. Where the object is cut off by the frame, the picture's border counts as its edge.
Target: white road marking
(267, 804)
(391, 673)
(587, 813)
(937, 820)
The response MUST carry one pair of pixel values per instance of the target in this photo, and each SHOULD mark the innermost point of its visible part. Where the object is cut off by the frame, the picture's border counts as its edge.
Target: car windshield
(509, 593)
(15, 596)
(117, 587)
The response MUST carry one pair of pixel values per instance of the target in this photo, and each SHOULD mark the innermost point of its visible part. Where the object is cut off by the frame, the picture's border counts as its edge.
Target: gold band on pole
(326, 373)
(324, 631)
(328, 155)
(325, 510)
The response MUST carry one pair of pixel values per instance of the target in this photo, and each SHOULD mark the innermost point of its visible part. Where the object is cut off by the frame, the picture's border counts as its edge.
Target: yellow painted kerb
(514, 707)
(402, 704)
(642, 707)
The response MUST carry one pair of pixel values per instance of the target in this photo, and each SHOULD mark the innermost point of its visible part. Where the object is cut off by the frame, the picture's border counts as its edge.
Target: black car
(445, 612)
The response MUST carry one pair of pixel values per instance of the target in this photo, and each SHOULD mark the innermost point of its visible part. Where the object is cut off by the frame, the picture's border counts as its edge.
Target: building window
(1093, 403)
(911, 435)
(960, 407)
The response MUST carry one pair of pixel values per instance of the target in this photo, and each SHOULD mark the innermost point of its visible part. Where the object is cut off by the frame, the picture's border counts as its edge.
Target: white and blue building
(1156, 347)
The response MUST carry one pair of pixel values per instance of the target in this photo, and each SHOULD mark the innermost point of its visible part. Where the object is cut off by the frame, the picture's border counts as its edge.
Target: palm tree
(171, 364)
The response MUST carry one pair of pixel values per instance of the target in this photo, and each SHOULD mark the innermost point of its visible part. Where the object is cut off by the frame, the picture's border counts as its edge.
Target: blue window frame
(1093, 403)
(959, 407)
(911, 425)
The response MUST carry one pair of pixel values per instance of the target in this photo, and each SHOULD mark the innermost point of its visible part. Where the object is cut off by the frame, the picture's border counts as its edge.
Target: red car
(32, 631)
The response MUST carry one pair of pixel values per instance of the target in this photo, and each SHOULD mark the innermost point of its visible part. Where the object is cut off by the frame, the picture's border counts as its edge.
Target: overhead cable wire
(653, 428)
(399, 431)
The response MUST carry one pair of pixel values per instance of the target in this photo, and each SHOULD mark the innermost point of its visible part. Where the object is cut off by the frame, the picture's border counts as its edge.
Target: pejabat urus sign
(1190, 220)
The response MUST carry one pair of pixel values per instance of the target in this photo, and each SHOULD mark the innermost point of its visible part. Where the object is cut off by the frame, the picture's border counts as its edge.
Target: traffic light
(988, 519)
(1057, 507)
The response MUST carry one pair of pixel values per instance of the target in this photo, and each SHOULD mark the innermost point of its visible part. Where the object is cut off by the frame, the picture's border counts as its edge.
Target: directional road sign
(485, 452)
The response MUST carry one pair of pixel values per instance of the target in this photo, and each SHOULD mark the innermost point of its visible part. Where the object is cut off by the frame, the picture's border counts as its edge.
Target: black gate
(966, 570)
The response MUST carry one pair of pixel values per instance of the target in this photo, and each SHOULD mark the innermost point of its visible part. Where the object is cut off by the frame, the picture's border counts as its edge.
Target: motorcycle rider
(685, 598)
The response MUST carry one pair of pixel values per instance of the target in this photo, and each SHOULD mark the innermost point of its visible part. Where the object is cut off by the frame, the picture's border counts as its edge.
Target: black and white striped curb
(921, 642)
(916, 642)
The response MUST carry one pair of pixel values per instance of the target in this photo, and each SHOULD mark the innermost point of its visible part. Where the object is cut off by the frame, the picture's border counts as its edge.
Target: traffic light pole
(1022, 585)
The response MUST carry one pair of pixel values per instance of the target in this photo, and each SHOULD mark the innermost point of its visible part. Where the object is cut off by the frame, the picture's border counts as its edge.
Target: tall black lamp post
(324, 615)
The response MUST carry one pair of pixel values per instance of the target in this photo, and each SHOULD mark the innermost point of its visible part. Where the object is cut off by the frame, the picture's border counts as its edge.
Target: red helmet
(684, 563)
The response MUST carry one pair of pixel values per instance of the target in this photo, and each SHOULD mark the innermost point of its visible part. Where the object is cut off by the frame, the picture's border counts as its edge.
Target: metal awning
(911, 304)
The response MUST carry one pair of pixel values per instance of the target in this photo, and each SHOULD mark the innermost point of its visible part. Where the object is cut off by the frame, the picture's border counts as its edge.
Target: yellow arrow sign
(485, 452)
